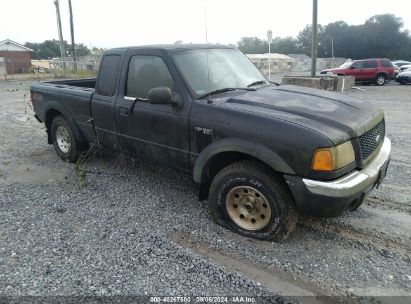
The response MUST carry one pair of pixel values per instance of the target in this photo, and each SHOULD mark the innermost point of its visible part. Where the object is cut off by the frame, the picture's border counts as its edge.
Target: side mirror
(160, 95)
(163, 95)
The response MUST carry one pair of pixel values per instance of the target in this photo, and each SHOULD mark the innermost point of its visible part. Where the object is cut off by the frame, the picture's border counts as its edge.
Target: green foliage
(252, 45)
(379, 36)
(82, 50)
(51, 49)
(98, 52)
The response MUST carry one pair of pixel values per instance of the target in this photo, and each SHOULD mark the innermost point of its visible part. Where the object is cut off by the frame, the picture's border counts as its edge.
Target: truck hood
(336, 116)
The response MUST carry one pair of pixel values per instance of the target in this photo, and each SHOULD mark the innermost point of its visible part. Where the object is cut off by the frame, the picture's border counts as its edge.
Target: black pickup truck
(262, 153)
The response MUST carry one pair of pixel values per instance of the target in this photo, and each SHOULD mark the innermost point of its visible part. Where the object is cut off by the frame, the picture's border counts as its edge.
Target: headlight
(330, 159)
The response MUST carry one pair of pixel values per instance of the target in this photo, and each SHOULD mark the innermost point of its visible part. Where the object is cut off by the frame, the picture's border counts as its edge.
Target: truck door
(156, 132)
(102, 103)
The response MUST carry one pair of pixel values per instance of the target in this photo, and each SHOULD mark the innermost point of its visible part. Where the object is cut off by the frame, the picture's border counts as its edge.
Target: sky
(104, 23)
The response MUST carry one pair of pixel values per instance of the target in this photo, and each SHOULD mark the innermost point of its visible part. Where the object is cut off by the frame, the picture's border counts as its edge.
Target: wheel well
(216, 164)
(50, 115)
(382, 73)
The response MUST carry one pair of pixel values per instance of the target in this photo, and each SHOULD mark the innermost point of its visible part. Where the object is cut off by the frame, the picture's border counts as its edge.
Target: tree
(82, 50)
(44, 50)
(384, 36)
(286, 45)
(336, 34)
(252, 45)
(304, 41)
(97, 52)
(51, 49)
(379, 36)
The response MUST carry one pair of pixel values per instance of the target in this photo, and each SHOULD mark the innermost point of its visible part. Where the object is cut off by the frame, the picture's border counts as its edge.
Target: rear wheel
(380, 79)
(65, 143)
(247, 198)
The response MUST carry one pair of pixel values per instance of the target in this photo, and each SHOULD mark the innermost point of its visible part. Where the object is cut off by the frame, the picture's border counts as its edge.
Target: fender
(54, 105)
(256, 150)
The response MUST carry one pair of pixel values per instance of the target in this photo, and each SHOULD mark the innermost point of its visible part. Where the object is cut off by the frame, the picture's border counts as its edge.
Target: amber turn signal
(322, 160)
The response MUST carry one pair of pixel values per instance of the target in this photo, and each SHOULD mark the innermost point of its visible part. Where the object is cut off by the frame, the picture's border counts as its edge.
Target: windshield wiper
(256, 83)
(262, 82)
(276, 83)
(223, 91)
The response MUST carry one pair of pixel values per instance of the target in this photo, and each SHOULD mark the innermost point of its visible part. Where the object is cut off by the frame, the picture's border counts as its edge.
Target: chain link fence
(49, 68)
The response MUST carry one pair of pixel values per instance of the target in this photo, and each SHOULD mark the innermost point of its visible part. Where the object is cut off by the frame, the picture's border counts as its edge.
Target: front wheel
(247, 198)
(380, 80)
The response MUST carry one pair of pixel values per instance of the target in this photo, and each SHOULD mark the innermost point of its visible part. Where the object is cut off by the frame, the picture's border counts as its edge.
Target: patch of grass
(80, 172)
(91, 152)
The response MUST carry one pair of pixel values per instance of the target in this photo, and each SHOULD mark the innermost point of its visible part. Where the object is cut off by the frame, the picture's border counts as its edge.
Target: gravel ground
(137, 229)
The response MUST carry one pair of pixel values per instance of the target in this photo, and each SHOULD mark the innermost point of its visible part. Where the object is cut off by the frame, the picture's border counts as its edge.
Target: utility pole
(270, 39)
(73, 45)
(62, 50)
(314, 40)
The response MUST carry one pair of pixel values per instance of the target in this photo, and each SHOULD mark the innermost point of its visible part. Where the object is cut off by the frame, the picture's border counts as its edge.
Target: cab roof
(169, 47)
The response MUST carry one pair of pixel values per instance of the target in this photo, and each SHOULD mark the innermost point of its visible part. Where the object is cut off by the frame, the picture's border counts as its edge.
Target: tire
(67, 147)
(247, 198)
(380, 79)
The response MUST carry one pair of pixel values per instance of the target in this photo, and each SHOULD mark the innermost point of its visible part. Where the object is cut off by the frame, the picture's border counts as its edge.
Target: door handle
(124, 111)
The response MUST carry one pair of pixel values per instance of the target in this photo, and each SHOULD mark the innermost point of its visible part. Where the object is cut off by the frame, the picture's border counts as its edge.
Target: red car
(378, 71)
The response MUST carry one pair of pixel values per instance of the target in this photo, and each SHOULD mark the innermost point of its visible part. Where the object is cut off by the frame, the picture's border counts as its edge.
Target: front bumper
(331, 198)
(403, 78)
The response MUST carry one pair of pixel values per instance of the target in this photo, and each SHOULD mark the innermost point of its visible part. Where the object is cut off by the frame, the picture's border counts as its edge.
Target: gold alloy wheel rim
(248, 208)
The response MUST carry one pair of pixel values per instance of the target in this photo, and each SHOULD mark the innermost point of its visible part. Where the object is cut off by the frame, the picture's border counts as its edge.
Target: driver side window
(145, 73)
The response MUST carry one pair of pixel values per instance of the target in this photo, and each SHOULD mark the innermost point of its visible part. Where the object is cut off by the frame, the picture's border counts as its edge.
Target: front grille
(371, 139)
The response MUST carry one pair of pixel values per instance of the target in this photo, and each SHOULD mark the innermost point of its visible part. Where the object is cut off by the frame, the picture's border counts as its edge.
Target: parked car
(261, 153)
(397, 70)
(405, 67)
(400, 63)
(404, 77)
(378, 71)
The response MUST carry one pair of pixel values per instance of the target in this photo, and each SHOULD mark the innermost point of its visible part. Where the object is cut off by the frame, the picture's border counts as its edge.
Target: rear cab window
(107, 76)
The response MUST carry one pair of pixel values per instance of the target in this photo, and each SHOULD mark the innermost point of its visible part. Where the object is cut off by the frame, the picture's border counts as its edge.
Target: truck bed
(71, 97)
(83, 83)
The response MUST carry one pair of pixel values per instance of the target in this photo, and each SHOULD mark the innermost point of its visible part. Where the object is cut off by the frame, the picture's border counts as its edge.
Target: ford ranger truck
(261, 153)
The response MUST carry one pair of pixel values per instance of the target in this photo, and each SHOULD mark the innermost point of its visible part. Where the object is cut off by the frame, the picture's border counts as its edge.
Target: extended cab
(261, 153)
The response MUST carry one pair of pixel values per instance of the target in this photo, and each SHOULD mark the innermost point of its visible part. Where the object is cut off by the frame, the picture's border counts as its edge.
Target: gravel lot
(137, 229)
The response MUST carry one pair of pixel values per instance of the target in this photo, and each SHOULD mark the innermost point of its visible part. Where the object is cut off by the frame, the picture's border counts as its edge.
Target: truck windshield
(210, 70)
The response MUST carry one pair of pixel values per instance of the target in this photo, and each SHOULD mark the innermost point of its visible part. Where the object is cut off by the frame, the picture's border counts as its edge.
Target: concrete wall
(284, 64)
(329, 83)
